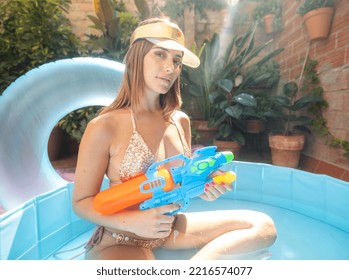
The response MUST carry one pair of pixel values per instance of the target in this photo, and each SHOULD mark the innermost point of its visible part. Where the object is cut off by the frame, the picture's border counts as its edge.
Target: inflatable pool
(311, 211)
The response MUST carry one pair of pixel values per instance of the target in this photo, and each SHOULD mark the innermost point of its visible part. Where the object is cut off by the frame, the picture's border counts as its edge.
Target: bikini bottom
(123, 240)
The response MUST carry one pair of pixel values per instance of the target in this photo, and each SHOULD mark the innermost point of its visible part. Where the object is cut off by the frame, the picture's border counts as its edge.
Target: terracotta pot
(206, 134)
(286, 150)
(269, 23)
(318, 22)
(232, 146)
(255, 126)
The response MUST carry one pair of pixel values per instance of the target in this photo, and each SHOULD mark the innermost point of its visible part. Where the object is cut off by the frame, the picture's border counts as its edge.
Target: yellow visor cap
(168, 36)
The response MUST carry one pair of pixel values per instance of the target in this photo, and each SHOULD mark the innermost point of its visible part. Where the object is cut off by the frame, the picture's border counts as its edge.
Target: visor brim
(189, 58)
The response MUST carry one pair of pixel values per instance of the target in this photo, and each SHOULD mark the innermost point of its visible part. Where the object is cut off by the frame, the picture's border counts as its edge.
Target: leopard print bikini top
(138, 156)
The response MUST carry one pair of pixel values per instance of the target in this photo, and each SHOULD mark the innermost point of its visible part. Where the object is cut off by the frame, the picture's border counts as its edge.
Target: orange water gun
(164, 186)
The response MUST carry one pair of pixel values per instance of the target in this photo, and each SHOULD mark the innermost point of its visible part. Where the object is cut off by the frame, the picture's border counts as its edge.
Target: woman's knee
(266, 228)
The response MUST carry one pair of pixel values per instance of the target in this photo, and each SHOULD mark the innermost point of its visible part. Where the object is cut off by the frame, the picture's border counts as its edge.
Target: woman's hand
(150, 223)
(214, 190)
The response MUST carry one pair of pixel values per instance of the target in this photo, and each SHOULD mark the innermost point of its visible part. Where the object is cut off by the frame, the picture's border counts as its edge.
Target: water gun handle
(228, 178)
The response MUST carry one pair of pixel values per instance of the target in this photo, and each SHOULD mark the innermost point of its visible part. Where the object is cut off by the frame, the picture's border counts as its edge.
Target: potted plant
(269, 13)
(230, 102)
(317, 16)
(256, 117)
(230, 108)
(197, 84)
(291, 114)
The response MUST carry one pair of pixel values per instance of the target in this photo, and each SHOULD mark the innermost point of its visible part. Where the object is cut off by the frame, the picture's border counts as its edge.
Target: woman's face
(161, 68)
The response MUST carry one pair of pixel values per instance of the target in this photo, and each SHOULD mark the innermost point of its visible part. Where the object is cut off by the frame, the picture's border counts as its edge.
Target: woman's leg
(221, 234)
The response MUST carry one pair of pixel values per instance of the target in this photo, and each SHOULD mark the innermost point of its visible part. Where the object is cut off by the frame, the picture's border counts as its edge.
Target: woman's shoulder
(110, 121)
(182, 118)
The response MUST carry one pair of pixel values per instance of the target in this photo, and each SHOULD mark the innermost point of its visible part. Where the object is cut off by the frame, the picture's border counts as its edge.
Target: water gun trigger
(228, 178)
(183, 206)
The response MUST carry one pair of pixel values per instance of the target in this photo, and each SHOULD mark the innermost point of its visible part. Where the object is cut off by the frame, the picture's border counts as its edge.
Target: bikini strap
(133, 120)
(185, 145)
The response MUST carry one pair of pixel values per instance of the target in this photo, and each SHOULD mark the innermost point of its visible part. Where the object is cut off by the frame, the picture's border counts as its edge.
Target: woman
(144, 125)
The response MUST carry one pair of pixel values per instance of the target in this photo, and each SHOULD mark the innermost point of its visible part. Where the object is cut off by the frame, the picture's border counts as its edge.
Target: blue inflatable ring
(29, 109)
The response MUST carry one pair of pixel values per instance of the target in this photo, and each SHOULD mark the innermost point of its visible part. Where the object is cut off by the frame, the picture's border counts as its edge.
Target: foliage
(115, 24)
(267, 75)
(290, 109)
(75, 122)
(198, 82)
(146, 10)
(231, 103)
(266, 7)
(211, 84)
(269, 7)
(175, 8)
(262, 109)
(40, 34)
(309, 5)
(311, 84)
(230, 109)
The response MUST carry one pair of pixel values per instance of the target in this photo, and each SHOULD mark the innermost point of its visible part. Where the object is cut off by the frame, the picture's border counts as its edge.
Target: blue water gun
(191, 177)
(161, 186)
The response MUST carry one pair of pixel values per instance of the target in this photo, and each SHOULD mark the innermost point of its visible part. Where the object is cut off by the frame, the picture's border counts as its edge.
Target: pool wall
(45, 223)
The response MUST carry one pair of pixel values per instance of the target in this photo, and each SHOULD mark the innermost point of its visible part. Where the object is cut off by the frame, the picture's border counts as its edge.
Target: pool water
(310, 211)
(299, 237)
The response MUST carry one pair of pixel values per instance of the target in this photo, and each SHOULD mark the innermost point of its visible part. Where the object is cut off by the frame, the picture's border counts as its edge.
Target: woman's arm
(93, 159)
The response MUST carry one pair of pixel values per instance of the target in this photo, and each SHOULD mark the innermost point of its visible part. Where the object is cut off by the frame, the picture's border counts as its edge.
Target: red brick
(329, 169)
(308, 163)
(345, 176)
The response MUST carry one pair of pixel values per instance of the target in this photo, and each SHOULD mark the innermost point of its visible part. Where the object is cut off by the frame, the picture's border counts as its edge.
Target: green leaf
(245, 99)
(281, 101)
(234, 111)
(225, 84)
(305, 101)
(225, 130)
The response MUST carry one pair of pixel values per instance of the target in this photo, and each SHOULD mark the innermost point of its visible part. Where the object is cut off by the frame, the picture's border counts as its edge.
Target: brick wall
(332, 55)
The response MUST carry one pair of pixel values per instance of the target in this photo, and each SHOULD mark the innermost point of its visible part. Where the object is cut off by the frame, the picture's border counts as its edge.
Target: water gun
(164, 186)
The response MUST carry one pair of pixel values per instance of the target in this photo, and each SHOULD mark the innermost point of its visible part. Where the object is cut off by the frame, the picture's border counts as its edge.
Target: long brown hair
(132, 86)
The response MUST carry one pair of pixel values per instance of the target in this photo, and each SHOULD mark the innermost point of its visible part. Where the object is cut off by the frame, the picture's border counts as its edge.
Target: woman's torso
(139, 142)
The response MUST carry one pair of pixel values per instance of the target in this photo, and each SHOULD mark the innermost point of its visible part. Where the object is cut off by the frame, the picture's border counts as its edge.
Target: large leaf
(234, 111)
(245, 99)
(274, 114)
(114, 27)
(225, 84)
(220, 117)
(143, 8)
(270, 56)
(281, 101)
(225, 130)
(98, 23)
(305, 101)
(107, 10)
